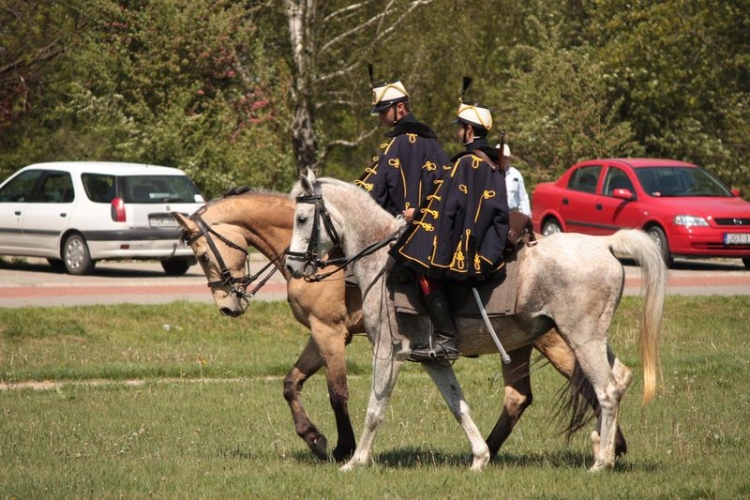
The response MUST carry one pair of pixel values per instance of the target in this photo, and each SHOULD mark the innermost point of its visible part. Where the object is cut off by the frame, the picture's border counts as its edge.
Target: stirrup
(440, 349)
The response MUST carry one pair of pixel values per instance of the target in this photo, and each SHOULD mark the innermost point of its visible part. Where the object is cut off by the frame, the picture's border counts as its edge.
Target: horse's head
(222, 253)
(313, 234)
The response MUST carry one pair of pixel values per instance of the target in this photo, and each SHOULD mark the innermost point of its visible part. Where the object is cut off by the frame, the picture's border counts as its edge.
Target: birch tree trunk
(301, 17)
(330, 61)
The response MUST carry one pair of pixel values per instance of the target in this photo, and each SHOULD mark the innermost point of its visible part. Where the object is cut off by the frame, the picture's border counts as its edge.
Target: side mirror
(623, 194)
(735, 192)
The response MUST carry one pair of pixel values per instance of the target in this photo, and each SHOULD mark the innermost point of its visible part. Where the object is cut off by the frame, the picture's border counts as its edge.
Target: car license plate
(737, 238)
(162, 220)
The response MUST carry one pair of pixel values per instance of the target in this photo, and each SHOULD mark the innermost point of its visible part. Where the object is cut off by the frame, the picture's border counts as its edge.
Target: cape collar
(410, 125)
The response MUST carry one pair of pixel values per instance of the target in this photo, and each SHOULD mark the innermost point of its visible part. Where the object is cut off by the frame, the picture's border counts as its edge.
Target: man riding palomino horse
(460, 231)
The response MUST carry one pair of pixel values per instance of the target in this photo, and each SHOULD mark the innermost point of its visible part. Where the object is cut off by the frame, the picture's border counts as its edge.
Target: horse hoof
(341, 455)
(479, 463)
(601, 465)
(346, 467)
(621, 449)
(319, 447)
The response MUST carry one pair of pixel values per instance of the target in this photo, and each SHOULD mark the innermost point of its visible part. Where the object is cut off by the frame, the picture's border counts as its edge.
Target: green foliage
(209, 86)
(682, 68)
(204, 95)
(562, 111)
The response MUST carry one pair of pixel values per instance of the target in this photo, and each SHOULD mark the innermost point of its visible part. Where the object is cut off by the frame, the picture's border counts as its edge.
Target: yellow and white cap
(475, 115)
(387, 94)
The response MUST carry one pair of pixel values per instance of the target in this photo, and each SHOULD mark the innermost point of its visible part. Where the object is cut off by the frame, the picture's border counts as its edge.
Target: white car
(76, 213)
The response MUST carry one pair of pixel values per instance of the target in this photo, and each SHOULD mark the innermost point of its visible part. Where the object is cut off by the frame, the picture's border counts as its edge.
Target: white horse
(567, 281)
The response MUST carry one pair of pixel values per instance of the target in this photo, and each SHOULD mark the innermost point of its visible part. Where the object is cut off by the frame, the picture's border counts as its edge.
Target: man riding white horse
(459, 232)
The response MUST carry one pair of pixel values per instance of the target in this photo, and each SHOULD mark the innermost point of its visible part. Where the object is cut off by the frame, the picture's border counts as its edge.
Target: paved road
(34, 283)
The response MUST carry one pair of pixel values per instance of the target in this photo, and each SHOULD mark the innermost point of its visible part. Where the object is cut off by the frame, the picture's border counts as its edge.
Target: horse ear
(185, 222)
(307, 179)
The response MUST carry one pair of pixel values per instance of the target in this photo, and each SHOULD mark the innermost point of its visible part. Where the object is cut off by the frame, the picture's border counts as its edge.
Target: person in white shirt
(518, 198)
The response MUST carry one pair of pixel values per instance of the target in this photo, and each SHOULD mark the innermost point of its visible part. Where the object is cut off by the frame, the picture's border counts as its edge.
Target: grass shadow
(415, 458)
(569, 459)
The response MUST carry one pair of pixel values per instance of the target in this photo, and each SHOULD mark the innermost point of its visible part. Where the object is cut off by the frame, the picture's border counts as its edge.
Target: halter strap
(238, 284)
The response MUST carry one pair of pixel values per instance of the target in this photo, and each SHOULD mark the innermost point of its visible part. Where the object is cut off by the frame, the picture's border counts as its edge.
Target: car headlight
(689, 220)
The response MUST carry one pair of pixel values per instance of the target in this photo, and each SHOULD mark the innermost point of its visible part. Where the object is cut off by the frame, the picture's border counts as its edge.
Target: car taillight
(117, 210)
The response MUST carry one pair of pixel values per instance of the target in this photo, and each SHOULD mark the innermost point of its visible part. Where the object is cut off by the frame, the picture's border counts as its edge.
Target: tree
(561, 109)
(33, 35)
(206, 95)
(683, 70)
(325, 67)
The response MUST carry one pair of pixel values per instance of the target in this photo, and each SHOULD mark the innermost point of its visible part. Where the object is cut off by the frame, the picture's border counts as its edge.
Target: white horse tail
(638, 245)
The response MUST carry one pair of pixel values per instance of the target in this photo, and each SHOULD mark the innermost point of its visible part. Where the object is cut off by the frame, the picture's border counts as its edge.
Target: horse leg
(518, 397)
(593, 358)
(333, 350)
(553, 347)
(622, 377)
(307, 365)
(385, 370)
(445, 379)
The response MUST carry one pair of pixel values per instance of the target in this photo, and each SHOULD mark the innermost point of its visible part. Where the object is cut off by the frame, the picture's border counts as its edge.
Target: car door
(48, 215)
(15, 197)
(579, 199)
(611, 212)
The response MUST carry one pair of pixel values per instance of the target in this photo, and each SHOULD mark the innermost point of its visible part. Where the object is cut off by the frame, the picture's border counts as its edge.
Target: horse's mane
(231, 193)
(237, 190)
(363, 196)
(242, 190)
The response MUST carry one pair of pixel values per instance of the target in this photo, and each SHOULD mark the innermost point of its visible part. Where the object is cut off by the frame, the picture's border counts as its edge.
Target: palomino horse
(567, 281)
(219, 235)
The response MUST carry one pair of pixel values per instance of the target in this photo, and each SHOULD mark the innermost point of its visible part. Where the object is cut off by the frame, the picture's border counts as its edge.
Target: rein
(238, 285)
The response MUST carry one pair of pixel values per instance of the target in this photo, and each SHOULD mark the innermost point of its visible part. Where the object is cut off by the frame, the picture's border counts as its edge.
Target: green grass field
(178, 402)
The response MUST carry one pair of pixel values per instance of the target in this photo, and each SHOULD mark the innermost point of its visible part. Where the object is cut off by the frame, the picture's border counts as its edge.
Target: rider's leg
(443, 345)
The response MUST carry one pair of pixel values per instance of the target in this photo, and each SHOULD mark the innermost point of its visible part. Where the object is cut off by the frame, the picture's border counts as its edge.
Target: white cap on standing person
(506, 150)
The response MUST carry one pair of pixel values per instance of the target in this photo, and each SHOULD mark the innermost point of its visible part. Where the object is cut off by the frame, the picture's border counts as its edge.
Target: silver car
(76, 213)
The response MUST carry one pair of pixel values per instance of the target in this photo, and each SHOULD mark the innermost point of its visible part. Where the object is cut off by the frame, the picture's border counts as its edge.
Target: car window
(100, 188)
(21, 188)
(680, 181)
(585, 179)
(616, 178)
(159, 189)
(56, 187)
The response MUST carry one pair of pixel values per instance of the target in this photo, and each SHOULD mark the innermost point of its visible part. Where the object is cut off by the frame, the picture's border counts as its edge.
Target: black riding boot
(443, 345)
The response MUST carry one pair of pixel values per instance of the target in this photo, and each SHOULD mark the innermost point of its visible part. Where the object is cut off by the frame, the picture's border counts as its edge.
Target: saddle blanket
(498, 297)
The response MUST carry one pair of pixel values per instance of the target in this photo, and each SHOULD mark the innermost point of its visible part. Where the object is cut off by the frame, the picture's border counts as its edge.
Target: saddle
(498, 296)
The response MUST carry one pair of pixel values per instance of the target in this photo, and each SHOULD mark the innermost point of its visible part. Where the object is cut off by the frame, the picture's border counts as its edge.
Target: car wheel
(551, 227)
(746, 261)
(175, 267)
(76, 255)
(657, 234)
(57, 265)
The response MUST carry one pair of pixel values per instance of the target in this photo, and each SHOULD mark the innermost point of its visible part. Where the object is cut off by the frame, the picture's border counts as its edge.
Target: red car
(684, 208)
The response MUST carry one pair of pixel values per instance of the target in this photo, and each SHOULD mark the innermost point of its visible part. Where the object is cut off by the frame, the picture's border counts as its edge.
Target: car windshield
(680, 181)
(159, 189)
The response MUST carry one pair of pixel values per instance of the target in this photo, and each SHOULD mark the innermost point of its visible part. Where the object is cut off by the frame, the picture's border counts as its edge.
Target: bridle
(238, 285)
(311, 257)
